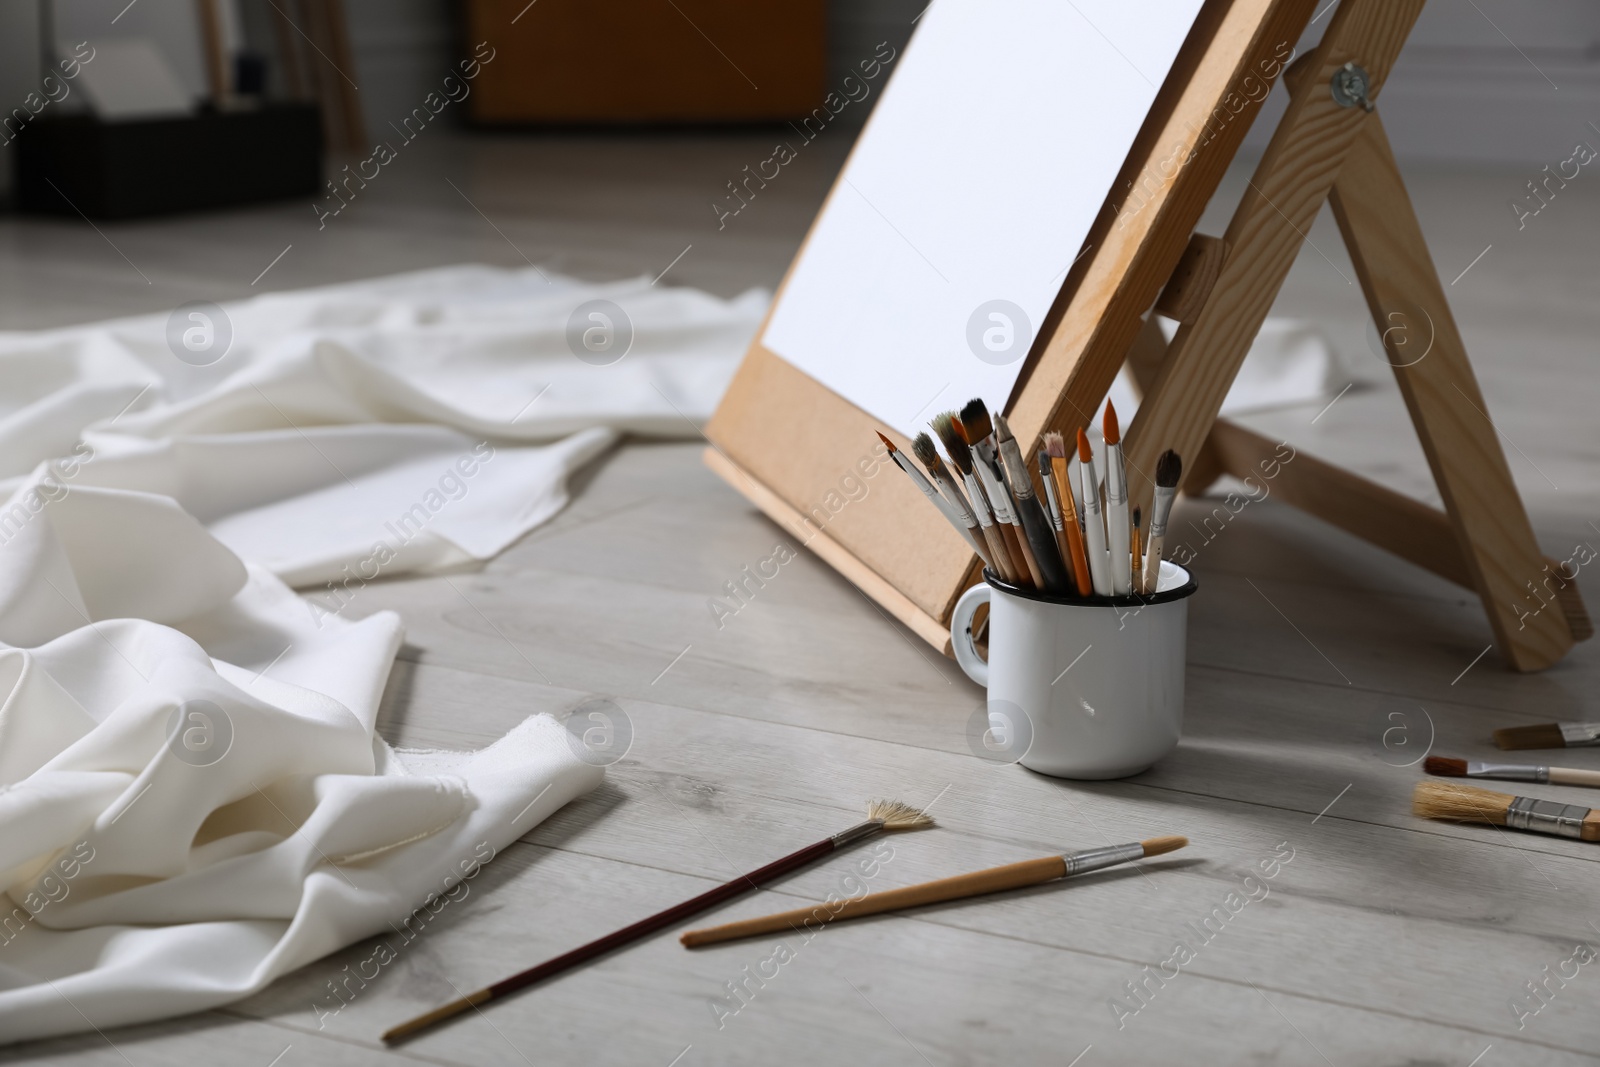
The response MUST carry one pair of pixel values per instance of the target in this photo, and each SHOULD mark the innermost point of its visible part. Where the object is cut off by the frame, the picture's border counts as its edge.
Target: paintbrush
(960, 453)
(1058, 520)
(1448, 767)
(1094, 532)
(928, 456)
(1116, 505)
(1169, 468)
(1056, 446)
(1463, 803)
(918, 479)
(1549, 735)
(1136, 555)
(1035, 524)
(979, 432)
(881, 815)
(959, 887)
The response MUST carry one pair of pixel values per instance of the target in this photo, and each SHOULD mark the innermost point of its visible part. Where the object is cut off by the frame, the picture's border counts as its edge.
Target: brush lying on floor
(993, 880)
(1463, 803)
(1446, 767)
(1549, 735)
(881, 815)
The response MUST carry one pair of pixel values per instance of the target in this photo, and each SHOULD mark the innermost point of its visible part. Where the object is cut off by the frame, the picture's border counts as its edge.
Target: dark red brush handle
(662, 919)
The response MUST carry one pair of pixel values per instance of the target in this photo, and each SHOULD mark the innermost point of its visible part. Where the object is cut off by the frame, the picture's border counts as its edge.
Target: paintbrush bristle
(1108, 425)
(1160, 846)
(922, 448)
(1169, 468)
(1445, 766)
(898, 816)
(975, 421)
(1545, 735)
(1137, 512)
(887, 443)
(1002, 432)
(1085, 450)
(1459, 803)
(955, 445)
(1056, 445)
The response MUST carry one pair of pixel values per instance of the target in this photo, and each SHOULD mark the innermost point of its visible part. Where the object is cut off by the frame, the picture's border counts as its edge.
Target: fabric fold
(194, 799)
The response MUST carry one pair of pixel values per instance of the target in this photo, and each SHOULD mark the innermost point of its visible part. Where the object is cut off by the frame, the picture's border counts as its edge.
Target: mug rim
(1128, 600)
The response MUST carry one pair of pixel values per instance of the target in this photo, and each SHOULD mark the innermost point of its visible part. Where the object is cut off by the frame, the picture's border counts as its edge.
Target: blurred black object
(118, 170)
(249, 74)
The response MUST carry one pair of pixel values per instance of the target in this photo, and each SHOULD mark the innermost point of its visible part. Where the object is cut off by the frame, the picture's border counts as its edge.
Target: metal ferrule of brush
(1509, 772)
(1035, 523)
(1546, 817)
(1578, 734)
(1093, 859)
(856, 833)
(1016, 471)
(988, 468)
(1116, 477)
(1161, 507)
(981, 508)
(1054, 512)
(958, 503)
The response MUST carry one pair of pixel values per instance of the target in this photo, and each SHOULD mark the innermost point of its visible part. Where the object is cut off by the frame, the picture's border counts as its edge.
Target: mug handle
(961, 633)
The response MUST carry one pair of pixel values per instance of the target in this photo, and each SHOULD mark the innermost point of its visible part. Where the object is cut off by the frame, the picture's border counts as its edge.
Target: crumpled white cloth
(193, 800)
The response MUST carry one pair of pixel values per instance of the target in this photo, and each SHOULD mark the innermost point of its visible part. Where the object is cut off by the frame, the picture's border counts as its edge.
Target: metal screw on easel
(1350, 87)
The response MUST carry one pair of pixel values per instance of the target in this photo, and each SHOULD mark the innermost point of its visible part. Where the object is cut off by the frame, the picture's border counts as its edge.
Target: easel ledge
(833, 553)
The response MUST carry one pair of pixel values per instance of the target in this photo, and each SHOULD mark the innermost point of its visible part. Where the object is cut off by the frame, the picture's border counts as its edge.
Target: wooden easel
(786, 442)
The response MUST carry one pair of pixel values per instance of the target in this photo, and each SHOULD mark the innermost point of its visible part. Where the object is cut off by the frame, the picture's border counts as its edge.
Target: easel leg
(1288, 189)
(1430, 362)
(1144, 360)
(1323, 151)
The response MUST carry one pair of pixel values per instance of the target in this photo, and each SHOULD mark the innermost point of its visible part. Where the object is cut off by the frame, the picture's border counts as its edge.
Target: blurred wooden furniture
(642, 61)
(314, 50)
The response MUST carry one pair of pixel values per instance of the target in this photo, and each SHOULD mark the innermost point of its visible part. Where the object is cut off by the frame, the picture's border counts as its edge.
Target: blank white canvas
(978, 178)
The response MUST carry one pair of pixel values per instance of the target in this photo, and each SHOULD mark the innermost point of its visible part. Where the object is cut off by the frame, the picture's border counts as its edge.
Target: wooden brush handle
(662, 919)
(616, 939)
(1574, 776)
(1154, 547)
(1080, 558)
(997, 548)
(1011, 876)
(1027, 570)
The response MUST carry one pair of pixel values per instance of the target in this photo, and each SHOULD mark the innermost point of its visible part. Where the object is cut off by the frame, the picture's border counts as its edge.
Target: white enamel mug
(1096, 682)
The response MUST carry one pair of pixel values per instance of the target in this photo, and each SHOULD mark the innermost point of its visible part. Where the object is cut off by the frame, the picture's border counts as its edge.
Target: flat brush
(1549, 735)
(928, 456)
(979, 432)
(881, 815)
(960, 453)
(1463, 803)
(1094, 531)
(961, 886)
(1035, 524)
(1056, 446)
(1117, 505)
(1169, 468)
(1448, 767)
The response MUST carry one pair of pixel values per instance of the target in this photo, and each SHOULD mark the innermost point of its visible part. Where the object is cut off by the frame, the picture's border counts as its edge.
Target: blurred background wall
(1481, 80)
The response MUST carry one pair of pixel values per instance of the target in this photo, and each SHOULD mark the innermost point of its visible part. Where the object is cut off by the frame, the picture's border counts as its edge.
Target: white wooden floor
(1384, 940)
